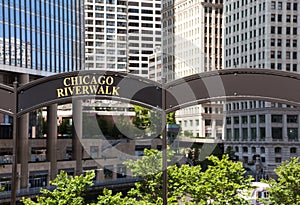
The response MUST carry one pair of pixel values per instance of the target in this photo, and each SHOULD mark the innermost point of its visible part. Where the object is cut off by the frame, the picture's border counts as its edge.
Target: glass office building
(41, 37)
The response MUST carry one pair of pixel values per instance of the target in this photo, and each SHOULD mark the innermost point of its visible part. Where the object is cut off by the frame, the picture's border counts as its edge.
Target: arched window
(277, 150)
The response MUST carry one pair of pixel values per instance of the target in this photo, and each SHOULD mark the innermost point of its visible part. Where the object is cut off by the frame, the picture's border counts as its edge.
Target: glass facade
(41, 35)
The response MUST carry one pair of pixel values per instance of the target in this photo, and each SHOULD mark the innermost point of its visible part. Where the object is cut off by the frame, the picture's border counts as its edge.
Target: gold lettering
(115, 91)
(85, 90)
(67, 82)
(74, 80)
(93, 89)
(60, 92)
(109, 80)
(107, 92)
(101, 80)
(93, 81)
(101, 91)
(78, 90)
(85, 79)
(70, 89)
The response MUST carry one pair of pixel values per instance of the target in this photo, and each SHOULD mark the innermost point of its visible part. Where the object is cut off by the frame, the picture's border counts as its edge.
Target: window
(279, 30)
(279, 6)
(276, 118)
(228, 120)
(278, 159)
(288, 31)
(262, 133)
(244, 119)
(292, 119)
(253, 134)
(236, 134)
(272, 42)
(236, 120)
(228, 134)
(273, 5)
(245, 134)
(262, 118)
(294, 55)
(277, 133)
(262, 150)
(253, 149)
(245, 149)
(292, 134)
(253, 118)
(277, 150)
(293, 150)
(279, 18)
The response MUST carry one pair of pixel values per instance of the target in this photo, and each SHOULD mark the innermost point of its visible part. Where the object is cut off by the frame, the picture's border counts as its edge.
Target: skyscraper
(40, 37)
(192, 43)
(262, 34)
(120, 35)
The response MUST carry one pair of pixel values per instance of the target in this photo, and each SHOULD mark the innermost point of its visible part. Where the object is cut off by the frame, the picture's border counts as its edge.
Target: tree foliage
(221, 183)
(286, 189)
(69, 190)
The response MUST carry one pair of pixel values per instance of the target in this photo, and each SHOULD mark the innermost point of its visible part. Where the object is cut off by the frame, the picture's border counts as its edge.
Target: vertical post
(164, 145)
(15, 141)
(77, 134)
(52, 139)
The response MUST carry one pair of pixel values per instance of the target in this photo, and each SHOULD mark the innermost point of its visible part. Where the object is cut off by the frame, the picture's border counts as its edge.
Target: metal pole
(15, 144)
(164, 145)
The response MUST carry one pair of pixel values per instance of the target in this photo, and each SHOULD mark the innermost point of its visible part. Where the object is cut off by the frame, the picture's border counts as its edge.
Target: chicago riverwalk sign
(228, 85)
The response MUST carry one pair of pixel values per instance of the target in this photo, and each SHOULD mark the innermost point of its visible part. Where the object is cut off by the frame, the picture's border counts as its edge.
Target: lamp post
(15, 144)
(164, 145)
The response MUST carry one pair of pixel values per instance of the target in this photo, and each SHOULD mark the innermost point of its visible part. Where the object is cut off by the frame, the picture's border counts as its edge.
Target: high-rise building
(192, 43)
(120, 35)
(40, 37)
(262, 34)
(37, 38)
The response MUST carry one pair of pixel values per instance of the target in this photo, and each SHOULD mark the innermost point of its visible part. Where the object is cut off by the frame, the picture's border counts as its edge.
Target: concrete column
(115, 170)
(213, 129)
(284, 128)
(77, 135)
(268, 128)
(52, 139)
(23, 130)
(100, 175)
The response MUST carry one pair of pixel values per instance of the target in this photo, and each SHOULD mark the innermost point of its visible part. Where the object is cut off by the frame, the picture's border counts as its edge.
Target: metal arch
(234, 84)
(226, 85)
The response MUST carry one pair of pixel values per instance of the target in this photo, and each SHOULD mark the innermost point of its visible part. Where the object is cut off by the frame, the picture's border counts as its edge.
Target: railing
(110, 184)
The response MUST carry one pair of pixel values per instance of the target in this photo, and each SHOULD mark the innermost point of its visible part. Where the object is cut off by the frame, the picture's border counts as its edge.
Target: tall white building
(193, 38)
(262, 34)
(120, 34)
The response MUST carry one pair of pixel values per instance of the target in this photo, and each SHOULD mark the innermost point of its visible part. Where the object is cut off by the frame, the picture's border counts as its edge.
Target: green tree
(109, 199)
(141, 119)
(69, 190)
(221, 183)
(286, 189)
(171, 118)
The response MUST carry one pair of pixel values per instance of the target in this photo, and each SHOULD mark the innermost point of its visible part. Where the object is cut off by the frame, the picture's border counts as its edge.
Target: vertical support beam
(23, 124)
(52, 139)
(77, 134)
(15, 150)
(164, 145)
